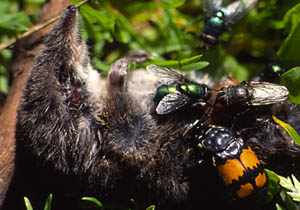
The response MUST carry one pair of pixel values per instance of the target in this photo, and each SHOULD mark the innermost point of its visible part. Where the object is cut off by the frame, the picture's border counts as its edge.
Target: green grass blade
(289, 129)
(95, 201)
(291, 79)
(27, 204)
(48, 202)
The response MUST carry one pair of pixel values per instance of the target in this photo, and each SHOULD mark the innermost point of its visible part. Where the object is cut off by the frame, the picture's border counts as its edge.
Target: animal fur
(78, 132)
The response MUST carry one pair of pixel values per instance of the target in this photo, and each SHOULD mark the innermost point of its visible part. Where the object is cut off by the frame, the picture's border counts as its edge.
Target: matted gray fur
(102, 132)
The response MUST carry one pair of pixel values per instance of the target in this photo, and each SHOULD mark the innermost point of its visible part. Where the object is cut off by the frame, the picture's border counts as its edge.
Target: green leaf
(273, 185)
(286, 182)
(290, 205)
(291, 79)
(95, 201)
(121, 35)
(100, 65)
(169, 4)
(3, 80)
(48, 203)
(27, 204)
(295, 194)
(292, 186)
(239, 72)
(132, 200)
(100, 17)
(289, 129)
(152, 207)
(296, 182)
(14, 22)
(195, 66)
(278, 207)
(35, 1)
(180, 64)
(289, 50)
(136, 7)
(173, 28)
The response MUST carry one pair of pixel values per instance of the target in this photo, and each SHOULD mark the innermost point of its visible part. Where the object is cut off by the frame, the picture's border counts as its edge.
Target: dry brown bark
(24, 53)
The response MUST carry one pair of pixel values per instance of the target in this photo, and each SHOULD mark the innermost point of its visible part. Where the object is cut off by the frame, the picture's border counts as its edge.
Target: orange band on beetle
(231, 170)
(245, 190)
(249, 159)
(261, 179)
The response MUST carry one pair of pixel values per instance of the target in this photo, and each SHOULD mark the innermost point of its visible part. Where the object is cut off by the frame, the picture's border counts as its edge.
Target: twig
(35, 28)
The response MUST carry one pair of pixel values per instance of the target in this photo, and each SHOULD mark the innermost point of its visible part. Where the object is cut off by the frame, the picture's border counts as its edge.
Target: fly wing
(165, 75)
(265, 93)
(237, 10)
(171, 103)
(211, 6)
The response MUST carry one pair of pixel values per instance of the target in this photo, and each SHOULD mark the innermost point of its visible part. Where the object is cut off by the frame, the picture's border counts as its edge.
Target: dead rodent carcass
(81, 133)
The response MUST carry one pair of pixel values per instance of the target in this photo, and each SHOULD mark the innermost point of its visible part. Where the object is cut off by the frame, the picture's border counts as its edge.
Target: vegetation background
(170, 29)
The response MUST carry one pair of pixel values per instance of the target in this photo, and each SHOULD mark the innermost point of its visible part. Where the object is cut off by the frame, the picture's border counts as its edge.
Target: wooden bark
(24, 52)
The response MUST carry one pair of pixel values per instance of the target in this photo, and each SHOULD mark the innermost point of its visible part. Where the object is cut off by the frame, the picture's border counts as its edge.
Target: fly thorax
(215, 24)
(239, 94)
(161, 92)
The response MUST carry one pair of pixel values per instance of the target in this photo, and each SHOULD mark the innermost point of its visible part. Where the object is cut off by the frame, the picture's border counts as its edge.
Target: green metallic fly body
(273, 71)
(219, 17)
(176, 91)
(194, 90)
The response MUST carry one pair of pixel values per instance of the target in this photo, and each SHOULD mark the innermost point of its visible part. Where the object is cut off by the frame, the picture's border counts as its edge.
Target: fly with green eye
(273, 71)
(176, 91)
(219, 17)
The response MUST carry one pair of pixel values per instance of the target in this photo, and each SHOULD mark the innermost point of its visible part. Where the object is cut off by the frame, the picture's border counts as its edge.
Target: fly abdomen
(196, 91)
